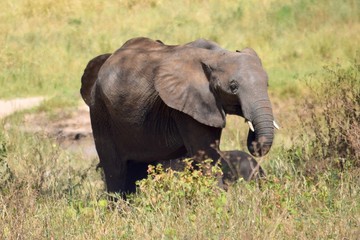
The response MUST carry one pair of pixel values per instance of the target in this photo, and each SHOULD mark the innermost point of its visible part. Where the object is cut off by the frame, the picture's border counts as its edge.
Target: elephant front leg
(201, 141)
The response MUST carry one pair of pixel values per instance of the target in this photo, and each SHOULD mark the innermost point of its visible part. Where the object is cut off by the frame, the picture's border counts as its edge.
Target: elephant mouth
(234, 110)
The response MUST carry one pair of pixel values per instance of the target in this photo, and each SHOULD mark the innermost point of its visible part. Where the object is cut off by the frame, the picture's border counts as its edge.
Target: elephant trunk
(261, 136)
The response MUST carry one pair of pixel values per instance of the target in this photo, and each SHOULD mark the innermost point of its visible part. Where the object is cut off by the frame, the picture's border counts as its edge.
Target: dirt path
(72, 130)
(8, 107)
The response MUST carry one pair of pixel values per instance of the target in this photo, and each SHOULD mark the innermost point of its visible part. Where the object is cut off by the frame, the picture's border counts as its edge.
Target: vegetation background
(311, 51)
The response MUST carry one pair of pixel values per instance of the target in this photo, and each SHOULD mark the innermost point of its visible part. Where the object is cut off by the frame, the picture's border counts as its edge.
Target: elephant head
(207, 85)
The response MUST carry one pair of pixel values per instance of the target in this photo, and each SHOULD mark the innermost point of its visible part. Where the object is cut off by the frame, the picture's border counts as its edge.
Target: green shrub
(187, 188)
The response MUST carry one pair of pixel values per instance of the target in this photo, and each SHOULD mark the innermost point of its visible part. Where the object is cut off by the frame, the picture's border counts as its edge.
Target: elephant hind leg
(114, 167)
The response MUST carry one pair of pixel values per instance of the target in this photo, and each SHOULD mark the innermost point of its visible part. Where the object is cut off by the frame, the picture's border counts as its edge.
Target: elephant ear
(90, 75)
(182, 83)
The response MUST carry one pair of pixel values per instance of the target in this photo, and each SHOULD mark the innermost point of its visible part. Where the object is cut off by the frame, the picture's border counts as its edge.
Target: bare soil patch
(8, 107)
(71, 130)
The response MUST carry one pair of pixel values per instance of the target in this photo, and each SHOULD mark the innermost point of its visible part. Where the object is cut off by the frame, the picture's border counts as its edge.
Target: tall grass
(172, 205)
(46, 44)
(48, 193)
(330, 121)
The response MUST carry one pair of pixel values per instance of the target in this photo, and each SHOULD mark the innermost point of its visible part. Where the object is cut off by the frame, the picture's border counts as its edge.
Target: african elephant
(150, 101)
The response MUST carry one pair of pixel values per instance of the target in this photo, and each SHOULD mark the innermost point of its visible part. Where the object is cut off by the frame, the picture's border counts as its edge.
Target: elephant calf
(239, 164)
(234, 165)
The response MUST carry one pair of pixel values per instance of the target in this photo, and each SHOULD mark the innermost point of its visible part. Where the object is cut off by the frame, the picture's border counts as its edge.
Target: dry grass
(52, 194)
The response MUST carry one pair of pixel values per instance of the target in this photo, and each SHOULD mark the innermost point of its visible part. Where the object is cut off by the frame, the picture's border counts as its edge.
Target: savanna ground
(49, 185)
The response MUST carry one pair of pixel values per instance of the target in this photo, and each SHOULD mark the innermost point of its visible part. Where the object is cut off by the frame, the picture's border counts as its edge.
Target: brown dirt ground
(71, 130)
(7, 107)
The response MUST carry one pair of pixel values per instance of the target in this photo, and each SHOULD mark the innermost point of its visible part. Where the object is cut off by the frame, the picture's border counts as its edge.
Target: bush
(187, 188)
(331, 119)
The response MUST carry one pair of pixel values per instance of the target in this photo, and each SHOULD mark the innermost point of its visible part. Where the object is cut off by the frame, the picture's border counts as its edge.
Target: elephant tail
(90, 75)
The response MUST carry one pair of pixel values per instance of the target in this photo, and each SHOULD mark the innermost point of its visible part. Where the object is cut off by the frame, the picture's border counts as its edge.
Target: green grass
(46, 45)
(50, 193)
(169, 206)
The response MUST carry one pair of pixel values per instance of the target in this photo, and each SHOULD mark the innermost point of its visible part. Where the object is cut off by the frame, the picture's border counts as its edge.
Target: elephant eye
(233, 86)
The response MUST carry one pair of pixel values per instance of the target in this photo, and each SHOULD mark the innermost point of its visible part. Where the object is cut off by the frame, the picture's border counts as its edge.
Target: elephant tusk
(251, 126)
(276, 125)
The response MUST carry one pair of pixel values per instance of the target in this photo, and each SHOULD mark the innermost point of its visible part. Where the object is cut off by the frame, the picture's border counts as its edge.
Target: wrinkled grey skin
(150, 102)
